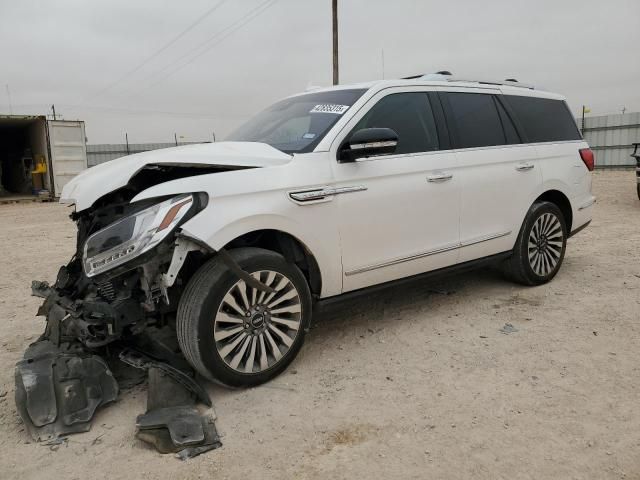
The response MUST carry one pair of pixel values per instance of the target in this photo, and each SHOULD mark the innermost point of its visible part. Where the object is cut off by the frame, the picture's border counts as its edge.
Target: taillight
(588, 158)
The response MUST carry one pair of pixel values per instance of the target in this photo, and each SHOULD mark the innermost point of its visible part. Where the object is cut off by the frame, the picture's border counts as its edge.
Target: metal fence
(101, 153)
(610, 137)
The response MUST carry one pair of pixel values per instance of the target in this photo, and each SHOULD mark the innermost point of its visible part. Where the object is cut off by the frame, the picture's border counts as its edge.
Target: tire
(540, 247)
(239, 336)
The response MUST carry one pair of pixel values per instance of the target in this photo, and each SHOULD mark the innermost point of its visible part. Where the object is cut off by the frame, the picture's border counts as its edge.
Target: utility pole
(214, 136)
(175, 136)
(334, 15)
(53, 109)
(126, 139)
(584, 110)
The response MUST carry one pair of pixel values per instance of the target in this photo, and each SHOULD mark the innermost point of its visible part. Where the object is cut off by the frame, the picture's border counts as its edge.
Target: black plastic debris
(173, 423)
(59, 388)
(140, 360)
(62, 381)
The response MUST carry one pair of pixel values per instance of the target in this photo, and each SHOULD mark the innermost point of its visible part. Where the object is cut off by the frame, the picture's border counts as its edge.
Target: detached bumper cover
(58, 389)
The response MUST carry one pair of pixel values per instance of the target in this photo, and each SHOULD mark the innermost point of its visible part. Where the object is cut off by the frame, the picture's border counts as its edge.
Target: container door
(68, 151)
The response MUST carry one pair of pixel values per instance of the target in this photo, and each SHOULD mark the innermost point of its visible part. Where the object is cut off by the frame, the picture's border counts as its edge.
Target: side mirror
(368, 142)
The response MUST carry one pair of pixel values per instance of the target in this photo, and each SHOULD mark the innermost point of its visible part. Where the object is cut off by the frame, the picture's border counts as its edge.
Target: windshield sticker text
(330, 108)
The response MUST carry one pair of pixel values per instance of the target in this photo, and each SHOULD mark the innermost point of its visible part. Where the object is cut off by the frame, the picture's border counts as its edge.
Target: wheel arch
(561, 201)
(289, 246)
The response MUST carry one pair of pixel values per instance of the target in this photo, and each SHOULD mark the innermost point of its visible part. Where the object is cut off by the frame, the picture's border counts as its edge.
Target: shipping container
(39, 156)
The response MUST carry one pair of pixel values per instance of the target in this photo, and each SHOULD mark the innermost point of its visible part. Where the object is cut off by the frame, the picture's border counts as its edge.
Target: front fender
(216, 226)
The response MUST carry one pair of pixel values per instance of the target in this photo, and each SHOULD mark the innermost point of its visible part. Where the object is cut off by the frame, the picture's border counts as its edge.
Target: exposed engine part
(182, 248)
(58, 389)
(106, 290)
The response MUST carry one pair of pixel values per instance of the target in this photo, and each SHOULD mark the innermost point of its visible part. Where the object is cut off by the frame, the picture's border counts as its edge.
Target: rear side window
(410, 116)
(544, 119)
(476, 120)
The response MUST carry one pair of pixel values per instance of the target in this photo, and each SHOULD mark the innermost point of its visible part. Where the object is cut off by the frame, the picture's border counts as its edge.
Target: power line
(157, 52)
(219, 36)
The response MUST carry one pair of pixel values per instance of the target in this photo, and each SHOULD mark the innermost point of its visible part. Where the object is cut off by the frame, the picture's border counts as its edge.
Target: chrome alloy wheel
(253, 330)
(545, 244)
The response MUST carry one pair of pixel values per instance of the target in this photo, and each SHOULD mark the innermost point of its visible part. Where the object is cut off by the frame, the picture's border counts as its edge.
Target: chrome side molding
(323, 194)
(428, 253)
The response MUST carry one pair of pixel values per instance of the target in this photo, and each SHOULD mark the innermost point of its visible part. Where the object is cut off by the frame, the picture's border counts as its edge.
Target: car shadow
(348, 318)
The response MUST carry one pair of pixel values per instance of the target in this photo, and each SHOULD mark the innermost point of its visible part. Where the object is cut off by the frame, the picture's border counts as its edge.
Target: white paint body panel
(393, 225)
(92, 184)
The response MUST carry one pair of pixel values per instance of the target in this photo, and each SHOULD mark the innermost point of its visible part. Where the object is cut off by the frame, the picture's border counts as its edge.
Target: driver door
(400, 212)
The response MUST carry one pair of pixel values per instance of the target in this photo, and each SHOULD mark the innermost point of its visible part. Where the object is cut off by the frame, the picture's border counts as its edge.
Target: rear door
(400, 215)
(498, 175)
(68, 151)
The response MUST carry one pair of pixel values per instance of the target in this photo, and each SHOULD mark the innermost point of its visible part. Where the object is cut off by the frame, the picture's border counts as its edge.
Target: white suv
(231, 244)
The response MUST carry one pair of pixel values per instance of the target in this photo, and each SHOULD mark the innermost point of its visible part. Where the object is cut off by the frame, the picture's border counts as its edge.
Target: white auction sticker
(330, 108)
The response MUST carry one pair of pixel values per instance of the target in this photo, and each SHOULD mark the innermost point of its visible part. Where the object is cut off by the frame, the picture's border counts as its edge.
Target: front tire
(540, 247)
(237, 335)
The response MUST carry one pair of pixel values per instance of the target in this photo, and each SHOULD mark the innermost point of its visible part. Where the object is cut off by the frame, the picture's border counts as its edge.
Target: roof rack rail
(445, 76)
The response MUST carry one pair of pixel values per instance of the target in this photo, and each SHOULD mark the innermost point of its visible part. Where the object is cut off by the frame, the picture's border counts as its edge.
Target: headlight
(132, 236)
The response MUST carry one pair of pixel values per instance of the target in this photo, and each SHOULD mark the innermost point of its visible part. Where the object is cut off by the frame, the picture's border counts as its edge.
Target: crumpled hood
(84, 189)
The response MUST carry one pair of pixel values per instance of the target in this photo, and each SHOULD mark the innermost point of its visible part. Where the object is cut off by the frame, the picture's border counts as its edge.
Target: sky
(198, 68)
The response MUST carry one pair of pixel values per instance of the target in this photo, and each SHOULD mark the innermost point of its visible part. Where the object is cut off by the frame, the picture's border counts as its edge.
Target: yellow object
(586, 110)
(41, 165)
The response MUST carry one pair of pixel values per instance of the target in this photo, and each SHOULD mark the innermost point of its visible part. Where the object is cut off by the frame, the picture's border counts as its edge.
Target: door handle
(439, 177)
(524, 167)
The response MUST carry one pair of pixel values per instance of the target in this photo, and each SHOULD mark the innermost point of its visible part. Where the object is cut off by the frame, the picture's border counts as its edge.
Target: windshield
(297, 124)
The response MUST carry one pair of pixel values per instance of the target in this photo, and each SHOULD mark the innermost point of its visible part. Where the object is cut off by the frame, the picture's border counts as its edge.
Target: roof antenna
(444, 72)
(510, 80)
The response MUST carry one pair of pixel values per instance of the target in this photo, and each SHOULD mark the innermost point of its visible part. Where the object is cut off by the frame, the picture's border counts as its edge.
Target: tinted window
(410, 116)
(476, 119)
(297, 124)
(510, 132)
(544, 119)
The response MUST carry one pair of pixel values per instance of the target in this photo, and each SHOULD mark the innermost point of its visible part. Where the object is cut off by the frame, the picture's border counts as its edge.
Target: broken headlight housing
(134, 235)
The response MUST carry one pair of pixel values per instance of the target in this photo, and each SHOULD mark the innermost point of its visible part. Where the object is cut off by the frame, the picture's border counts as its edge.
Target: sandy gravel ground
(418, 382)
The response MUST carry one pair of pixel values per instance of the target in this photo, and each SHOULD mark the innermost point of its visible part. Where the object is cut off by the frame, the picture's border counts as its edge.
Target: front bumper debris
(59, 388)
(61, 382)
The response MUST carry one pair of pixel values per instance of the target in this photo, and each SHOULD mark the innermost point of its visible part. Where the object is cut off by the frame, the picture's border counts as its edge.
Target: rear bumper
(582, 213)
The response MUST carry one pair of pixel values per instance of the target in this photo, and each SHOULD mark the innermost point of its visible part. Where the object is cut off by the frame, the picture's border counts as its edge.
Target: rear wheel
(239, 335)
(540, 247)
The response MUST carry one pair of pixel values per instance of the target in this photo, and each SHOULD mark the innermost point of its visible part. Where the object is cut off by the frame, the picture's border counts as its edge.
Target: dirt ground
(417, 382)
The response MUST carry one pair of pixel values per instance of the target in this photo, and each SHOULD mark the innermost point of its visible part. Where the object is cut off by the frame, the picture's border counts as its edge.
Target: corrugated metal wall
(610, 137)
(101, 153)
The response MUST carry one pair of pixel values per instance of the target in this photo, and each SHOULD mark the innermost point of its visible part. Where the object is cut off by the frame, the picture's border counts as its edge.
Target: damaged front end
(112, 307)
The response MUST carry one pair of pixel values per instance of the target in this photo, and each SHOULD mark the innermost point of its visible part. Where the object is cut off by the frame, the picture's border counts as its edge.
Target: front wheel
(239, 335)
(540, 247)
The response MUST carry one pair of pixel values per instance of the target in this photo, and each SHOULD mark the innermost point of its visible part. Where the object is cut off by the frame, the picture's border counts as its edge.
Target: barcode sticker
(330, 108)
